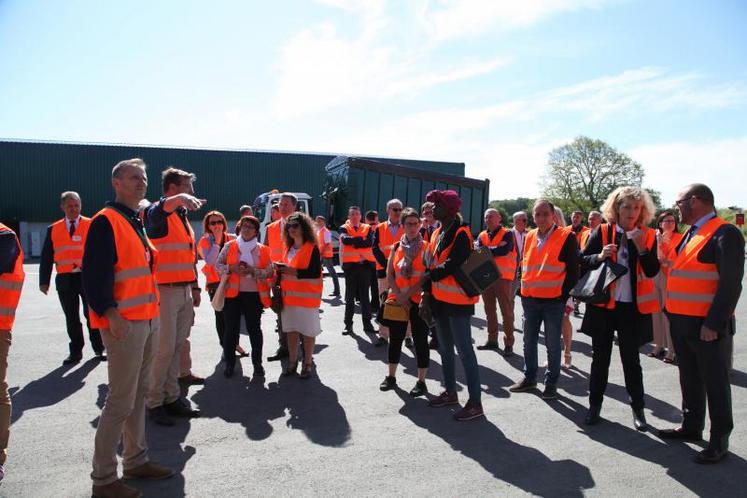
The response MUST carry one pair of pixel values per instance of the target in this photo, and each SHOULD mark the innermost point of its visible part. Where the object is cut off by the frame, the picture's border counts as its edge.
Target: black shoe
(279, 355)
(380, 342)
(409, 343)
(335, 294)
(639, 420)
(159, 416)
(522, 386)
(420, 389)
(388, 384)
(680, 434)
(711, 455)
(508, 351)
(550, 392)
(72, 360)
(259, 371)
(181, 408)
(228, 371)
(100, 357)
(592, 416)
(348, 330)
(491, 346)
(368, 329)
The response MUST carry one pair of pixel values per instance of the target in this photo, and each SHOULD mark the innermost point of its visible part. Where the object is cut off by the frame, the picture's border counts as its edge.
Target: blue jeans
(535, 313)
(457, 331)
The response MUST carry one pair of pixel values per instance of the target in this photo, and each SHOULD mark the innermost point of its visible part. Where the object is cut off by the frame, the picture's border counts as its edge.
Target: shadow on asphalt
(50, 389)
(311, 406)
(738, 378)
(676, 457)
(526, 468)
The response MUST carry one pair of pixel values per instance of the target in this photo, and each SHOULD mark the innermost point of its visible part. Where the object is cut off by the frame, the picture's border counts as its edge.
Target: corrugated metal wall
(34, 174)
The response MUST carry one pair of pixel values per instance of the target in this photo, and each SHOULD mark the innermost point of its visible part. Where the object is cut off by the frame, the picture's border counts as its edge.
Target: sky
(496, 84)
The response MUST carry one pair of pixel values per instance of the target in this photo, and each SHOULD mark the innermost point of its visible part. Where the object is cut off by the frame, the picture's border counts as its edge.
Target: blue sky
(494, 84)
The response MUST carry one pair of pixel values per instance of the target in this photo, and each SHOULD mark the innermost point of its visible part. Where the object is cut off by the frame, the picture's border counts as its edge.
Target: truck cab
(262, 207)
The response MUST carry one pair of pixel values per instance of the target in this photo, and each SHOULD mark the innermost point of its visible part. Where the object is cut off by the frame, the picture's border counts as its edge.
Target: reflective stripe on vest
(387, 240)
(11, 285)
(135, 290)
(507, 263)
(234, 279)
(350, 254)
(176, 252)
(324, 249)
(68, 253)
(418, 270)
(645, 291)
(542, 272)
(304, 292)
(447, 290)
(692, 285)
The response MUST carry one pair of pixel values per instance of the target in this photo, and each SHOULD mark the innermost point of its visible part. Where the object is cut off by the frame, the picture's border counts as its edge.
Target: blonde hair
(559, 217)
(621, 194)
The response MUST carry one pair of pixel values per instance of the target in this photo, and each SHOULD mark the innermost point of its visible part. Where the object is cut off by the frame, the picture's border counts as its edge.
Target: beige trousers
(5, 340)
(185, 362)
(500, 292)
(177, 317)
(123, 417)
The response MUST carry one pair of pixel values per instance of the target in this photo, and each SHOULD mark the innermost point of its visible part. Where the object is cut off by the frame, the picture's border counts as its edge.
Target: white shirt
(623, 287)
(519, 241)
(75, 222)
(327, 236)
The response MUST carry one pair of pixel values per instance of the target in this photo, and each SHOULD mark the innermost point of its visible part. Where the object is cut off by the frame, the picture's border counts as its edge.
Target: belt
(176, 284)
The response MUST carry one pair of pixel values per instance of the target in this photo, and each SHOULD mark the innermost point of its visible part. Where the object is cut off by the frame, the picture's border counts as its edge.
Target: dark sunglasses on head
(293, 225)
(215, 222)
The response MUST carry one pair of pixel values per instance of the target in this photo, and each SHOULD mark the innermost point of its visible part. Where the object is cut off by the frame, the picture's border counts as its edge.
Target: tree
(507, 207)
(581, 174)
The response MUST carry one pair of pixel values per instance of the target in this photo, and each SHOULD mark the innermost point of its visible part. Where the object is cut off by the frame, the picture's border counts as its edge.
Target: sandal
(567, 360)
(305, 372)
(291, 370)
(668, 360)
(656, 353)
(242, 352)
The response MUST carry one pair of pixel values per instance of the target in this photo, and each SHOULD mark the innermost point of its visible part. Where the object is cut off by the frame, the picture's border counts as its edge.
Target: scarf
(246, 248)
(411, 248)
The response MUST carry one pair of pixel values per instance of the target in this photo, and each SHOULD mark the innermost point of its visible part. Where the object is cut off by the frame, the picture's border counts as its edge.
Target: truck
(369, 184)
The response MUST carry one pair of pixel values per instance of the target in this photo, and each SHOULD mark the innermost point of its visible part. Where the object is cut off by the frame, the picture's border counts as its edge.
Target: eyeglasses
(682, 201)
(215, 222)
(293, 225)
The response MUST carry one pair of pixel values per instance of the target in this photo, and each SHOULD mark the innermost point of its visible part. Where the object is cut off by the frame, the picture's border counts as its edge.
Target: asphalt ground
(336, 434)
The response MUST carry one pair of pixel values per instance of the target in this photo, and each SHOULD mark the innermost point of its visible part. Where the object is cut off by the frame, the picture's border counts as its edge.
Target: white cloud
(451, 19)
(720, 164)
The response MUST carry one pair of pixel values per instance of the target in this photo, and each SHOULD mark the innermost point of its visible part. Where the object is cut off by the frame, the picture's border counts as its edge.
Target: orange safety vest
(176, 252)
(68, 251)
(211, 276)
(234, 279)
(418, 270)
(352, 254)
(448, 290)
(387, 240)
(324, 249)
(304, 292)
(275, 241)
(669, 250)
(584, 238)
(692, 285)
(542, 272)
(580, 235)
(10, 286)
(507, 263)
(645, 291)
(135, 288)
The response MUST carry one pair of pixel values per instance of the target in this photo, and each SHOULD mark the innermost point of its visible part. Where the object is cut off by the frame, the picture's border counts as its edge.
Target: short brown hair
(249, 219)
(409, 212)
(173, 176)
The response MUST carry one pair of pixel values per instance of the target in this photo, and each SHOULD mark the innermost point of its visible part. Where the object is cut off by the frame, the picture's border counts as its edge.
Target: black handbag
(276, 302)
(478, 273)
(594, 286)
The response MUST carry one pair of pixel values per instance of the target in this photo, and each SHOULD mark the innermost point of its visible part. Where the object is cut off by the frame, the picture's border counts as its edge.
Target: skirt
(305, 321)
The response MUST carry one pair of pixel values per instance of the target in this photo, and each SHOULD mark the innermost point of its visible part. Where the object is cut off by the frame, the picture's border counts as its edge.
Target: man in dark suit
(704, 285)
(63, 249)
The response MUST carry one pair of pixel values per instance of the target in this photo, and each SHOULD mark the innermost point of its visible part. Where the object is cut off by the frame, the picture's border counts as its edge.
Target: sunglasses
(215, 222)
(396, 209)
(293, 225)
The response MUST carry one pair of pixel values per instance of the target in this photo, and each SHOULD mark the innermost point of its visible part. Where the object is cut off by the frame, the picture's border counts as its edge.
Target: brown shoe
(148, 470)
(192, 380)
(116, 489)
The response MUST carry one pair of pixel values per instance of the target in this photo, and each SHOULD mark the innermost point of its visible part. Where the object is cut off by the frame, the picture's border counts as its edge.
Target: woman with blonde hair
(626, 240)
(301, 284)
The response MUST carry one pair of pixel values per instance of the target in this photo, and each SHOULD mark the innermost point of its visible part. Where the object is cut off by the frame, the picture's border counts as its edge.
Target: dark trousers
(375, 302)
(220, 322)
(357, 284)
(248, 305)
(70, 292)
(623, 320)
(329, 265)
(704, 376)
(397, 331)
